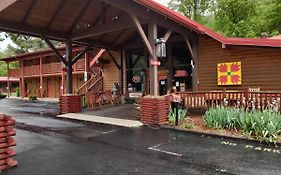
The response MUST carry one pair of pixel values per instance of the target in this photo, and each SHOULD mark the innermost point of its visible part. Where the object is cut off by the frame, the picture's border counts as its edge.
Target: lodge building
(196, 59)
(42, 74)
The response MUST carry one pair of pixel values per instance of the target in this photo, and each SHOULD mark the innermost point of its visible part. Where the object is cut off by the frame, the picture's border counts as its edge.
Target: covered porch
(130, 27)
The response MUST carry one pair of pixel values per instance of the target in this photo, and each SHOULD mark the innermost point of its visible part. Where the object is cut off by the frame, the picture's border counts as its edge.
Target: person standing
(175, 99)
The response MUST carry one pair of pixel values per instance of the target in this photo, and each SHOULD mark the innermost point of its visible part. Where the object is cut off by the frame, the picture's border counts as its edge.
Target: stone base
(154, 110)
(70, 103)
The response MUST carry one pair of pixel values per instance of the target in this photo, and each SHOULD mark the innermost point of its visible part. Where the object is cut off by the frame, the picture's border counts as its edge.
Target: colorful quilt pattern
(229, 73)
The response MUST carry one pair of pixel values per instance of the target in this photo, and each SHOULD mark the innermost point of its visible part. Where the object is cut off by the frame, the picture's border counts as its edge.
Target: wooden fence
(258, 100)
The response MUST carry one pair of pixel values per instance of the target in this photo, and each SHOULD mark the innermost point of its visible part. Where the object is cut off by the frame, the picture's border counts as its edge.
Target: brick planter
(154, 110)
(70, 103)
(6, 142)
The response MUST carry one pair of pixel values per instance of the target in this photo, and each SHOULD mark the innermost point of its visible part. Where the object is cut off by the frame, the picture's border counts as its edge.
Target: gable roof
(199, 28)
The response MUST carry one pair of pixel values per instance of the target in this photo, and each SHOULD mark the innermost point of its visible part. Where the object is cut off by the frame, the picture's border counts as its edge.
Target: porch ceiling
(105, 23)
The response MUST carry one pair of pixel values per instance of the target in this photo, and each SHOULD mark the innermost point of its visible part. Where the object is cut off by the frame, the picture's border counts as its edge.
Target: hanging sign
(155, 63)
(229, 73)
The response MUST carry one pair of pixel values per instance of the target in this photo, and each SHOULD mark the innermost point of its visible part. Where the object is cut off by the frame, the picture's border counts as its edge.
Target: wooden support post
(87, 64)
(153, 70)
(41, 79)
(8, 81)
(170, 64)
(22, 79)
(193, 50)
(121, 71)
(195, 80)
(62, 81)
(69, 86)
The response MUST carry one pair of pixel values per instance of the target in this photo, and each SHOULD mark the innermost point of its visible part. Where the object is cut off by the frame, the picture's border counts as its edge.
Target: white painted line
(103, 120)
(154, 148)
(108, 132)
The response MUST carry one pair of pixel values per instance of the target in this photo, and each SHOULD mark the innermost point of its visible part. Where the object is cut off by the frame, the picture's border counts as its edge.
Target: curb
(219, 136)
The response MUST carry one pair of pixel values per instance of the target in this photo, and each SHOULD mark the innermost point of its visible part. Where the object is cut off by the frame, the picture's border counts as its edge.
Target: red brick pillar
(6, 142)
(70, 103)
(154, 110)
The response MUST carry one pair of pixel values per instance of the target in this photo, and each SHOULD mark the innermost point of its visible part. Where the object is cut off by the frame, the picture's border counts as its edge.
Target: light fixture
(160, 47)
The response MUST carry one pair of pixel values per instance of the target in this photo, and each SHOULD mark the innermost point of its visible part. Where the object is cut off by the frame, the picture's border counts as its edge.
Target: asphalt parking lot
(49, 146)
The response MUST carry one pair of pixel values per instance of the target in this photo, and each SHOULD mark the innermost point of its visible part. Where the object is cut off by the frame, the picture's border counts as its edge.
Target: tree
(234, 18)
(274, 17)
(194, 9)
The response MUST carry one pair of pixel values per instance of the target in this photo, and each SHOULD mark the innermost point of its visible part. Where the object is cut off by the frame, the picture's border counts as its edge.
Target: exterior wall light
(160, 47)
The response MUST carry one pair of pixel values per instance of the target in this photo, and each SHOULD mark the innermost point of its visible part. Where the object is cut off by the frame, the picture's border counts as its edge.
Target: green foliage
(2, 96)
(234, 18)
(32, 98)
(264, 125)
(189, 125)
(17, 91)
(194, 9)
(172, 115)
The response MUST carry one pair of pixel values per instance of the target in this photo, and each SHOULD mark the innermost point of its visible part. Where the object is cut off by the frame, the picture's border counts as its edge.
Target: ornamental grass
(264, 125)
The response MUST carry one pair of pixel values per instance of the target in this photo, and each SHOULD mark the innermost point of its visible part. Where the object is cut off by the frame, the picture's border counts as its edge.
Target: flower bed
(261, 125)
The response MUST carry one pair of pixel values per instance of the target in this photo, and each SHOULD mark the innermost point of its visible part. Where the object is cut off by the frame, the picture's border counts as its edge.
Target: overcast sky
(4, 43)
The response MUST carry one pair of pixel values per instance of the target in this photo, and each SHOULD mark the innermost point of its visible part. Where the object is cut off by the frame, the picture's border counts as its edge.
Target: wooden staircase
(94, 85)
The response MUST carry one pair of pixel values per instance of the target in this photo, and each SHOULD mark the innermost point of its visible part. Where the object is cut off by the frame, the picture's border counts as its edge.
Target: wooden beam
(114, 41)
(55, 14)
(27, 14)
(136, 61)
(131, 7)
(30, 30)
(99, 17)
(80, 15)
(97, 43)
(80, 54)
(8, 80)
(113, 59)
(142, 34)
(167, 35)
(103, 11)
(98, 55)
(58, 54)
(6, 3)
(114, 25)
(153, 69)
(68, 53)
(189, 48)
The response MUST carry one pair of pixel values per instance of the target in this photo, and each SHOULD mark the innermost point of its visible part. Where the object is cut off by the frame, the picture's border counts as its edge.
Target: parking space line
(154, 148)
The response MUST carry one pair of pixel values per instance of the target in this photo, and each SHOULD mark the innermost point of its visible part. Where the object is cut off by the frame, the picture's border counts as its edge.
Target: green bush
(3, 96)
(263, 125)
(172, 115)
(131, 100)
(17, 92)
(32, 97)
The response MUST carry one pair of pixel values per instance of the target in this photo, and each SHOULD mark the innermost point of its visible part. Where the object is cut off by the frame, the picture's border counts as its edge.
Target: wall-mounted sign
(229, 73)
(136, 79)
(155, 63)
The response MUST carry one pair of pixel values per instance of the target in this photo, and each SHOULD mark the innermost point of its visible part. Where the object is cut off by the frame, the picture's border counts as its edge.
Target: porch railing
(257, 100)
(50, 68)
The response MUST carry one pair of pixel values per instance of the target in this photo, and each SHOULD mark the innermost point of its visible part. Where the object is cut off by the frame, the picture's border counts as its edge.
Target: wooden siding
(260, 65)
(110, 75)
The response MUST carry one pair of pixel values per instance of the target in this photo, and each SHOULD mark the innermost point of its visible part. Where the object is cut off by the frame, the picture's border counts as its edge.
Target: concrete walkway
(103, 120)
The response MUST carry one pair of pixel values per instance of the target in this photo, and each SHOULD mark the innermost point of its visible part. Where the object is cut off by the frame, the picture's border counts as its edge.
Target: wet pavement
(49, 146)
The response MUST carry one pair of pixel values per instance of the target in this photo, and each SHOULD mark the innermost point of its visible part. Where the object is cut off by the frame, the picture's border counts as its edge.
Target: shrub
(2, 96)
(172, 115)
(32, 97)
(189, 126)
(263, 125)
(17, 92)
